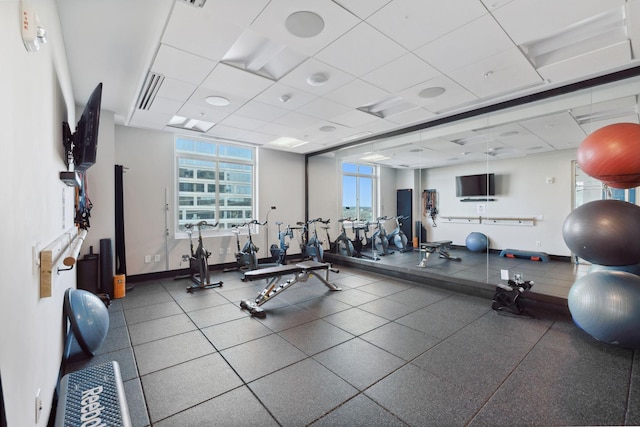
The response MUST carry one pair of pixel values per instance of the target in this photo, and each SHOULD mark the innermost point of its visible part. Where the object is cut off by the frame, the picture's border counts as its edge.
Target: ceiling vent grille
(194, 3)
(149, 91)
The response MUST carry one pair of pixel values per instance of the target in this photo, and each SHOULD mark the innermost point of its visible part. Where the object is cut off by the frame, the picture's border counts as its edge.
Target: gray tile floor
(381, 352)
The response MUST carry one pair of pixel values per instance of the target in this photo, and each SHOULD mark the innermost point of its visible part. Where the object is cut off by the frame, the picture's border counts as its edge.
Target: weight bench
(301, 271)
(441, 246)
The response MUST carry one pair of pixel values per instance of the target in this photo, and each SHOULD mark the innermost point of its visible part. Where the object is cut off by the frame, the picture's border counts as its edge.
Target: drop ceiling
(372, 68)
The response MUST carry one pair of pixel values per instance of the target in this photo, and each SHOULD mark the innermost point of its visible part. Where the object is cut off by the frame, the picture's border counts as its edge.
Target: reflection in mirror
(529, 148)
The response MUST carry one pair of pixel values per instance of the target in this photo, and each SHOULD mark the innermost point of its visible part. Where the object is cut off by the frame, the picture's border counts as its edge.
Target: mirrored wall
(527, 147)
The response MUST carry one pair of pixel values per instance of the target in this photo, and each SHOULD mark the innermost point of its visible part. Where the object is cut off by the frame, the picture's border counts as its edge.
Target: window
(215, 182)
(358, 191)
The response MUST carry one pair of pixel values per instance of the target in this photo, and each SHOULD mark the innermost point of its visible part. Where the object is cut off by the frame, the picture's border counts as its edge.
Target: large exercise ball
(633, 268)
(604, 232)
(477, 242)
(606, 305)
(611, 154)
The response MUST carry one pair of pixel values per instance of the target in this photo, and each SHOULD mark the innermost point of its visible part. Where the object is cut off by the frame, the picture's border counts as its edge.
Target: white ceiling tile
(271, 23)
(526, 20)
(202, 113)
(224, 131)
(361, 50)
(298, 77)
(558, 130)
(495, 4)
(261, 111)
(415, 115)
(180, 65)
(273, 96)
(478, 39)
(164, 105)
(401, 73)
(454, 95)
(176, 89)
(241, 13)
(589, 64)
(323, 109)
(198, 31)
(241, 122)
(362, 9)
(225, 78)
(507, 71)
(296, 120)
(414, 23)
(258, 137)
(150, 119)
(356, 94)
(354, 118)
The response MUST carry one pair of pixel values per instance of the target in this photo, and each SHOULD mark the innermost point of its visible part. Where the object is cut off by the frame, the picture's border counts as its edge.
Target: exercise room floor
(381, 352)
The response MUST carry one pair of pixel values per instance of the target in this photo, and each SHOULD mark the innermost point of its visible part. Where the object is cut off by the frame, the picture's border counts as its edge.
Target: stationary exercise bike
(397, 236)
(247, 256)
(362, 242)
(279, 252)
(313, 246)
(343, 244)
(380, 238)
(198, 260)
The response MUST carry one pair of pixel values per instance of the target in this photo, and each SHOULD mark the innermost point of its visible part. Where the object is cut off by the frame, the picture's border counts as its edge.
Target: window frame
(217, 159)
(358, 175)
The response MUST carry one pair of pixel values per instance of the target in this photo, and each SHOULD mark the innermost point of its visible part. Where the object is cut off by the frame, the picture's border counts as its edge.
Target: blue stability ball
(604, 232)
(606, 305)
(477, 242)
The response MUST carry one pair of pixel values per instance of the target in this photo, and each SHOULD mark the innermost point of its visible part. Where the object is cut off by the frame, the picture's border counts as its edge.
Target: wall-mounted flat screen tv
(476, 185)
(85, 138)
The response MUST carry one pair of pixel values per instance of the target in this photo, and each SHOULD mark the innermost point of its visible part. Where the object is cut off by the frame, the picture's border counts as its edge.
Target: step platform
(532, 255)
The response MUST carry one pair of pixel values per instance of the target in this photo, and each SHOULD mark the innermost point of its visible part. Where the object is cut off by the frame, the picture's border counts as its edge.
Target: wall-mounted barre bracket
(70, 243)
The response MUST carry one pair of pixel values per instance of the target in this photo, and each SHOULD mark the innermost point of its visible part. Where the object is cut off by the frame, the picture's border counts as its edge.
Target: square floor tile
(321, 306)
(185, 385)
(389, 309)
(400, 340)
(235, 332)
(419, 296)
(160, 354)
(215, 315)
(199, 300)
(262, 356)
(315, 336)
(420, 398)
(356, 321)
(359, 362)
(238, 407)
(281, 318)
(359, 412)
(301, 393)
(160, 328)
(431, 323)
(151, 312)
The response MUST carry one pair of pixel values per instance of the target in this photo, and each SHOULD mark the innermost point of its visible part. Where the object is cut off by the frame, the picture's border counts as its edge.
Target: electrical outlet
(538, 243)
(156, 258)
(147, 259)
(221, 251)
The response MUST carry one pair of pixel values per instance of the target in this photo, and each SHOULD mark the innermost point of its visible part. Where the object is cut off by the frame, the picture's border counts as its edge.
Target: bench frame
(301, 273)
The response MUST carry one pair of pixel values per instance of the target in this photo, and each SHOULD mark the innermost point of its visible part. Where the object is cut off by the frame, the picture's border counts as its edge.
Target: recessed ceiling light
(328, 128)
(488, 74)
(304, 24)
(217, 101)
(317, 79)
(285, 98)
(431, 92)
(288, 142)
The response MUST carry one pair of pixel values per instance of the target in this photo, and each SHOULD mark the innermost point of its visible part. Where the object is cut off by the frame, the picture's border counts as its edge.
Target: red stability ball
(612, 155)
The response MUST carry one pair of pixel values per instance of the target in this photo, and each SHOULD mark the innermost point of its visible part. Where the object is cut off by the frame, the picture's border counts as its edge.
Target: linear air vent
(194, 3)
(149, 90)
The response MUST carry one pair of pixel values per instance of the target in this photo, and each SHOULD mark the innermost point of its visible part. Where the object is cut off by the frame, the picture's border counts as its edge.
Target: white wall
(37, 208)
(522, 191)
(149, 157)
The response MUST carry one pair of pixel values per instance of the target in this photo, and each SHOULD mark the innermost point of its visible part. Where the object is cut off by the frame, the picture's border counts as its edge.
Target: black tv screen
(476, 185)
(85, 138)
